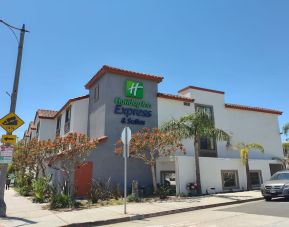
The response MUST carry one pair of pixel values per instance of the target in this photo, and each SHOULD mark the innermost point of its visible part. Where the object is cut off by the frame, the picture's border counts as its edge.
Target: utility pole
(3, 167)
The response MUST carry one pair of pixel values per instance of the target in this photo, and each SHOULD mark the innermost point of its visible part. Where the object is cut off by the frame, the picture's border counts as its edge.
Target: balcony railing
(67, 127)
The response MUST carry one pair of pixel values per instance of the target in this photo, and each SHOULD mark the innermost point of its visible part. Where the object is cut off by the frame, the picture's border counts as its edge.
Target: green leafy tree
(195, 126)
(244, 156)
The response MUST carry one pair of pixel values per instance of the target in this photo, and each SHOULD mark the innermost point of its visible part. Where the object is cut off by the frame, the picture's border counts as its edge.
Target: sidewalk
(22, 212)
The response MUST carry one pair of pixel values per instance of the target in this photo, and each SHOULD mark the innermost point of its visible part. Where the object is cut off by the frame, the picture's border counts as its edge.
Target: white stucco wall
(169, 109)
(79, 116)
(47, 129)
(210, 169)
(253, 127)
(244, 126)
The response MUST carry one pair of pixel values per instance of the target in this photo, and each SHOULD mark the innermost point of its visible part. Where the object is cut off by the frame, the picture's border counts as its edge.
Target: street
(260, 213)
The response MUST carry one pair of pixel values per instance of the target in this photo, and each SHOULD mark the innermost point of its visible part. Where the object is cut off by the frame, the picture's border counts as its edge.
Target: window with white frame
(208, 146)
(230, 179)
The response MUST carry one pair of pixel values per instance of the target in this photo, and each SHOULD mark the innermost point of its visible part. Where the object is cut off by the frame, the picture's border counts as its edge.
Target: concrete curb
(157, 214)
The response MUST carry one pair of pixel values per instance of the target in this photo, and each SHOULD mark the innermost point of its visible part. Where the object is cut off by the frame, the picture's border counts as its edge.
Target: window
(67, 120)
(187, 104)
(168, 179)
(280, 176)
(67, 114)
(38, 127)
(256, 178)
(96, 93)
(206, 109)
(230, 179)
(208, 146)
(58, 125)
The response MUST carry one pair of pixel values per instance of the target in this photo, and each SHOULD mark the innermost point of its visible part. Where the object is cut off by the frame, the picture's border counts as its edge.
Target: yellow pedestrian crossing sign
(11, 139)
(11, 122)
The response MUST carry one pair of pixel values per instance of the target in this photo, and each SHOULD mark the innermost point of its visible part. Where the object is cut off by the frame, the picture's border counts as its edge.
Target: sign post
(125, 138)
(11, 122)
(10, 139)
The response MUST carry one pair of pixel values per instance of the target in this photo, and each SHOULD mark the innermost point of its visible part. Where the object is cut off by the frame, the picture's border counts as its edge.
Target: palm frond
(255, 146)
(285, 129)
(217, 134)
(285, 145)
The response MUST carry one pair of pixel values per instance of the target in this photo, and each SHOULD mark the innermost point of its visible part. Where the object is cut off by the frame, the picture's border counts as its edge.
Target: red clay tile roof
(32, 126)
(69, 102)
(251, 108)
(26, 134)
(46, 114)
(174, 97)
(108, 69)
(200, 89)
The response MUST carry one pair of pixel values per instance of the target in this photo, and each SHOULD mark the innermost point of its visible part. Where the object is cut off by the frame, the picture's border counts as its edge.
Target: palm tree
(195, 126)
(285, 146)
(244, 156)
(285, 129)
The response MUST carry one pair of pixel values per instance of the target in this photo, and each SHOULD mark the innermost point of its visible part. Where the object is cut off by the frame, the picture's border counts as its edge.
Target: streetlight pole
(17, 71)
(3, 167)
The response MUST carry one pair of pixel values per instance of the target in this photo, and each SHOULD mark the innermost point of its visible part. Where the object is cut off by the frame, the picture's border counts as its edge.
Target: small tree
(30, 157)
(244, 156)
(149, 145)
(69, 151)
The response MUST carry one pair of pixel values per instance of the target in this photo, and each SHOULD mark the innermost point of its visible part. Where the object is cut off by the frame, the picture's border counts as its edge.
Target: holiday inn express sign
(134, 91)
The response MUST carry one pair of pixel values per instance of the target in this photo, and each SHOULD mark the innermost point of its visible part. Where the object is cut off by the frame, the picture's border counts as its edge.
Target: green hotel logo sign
(134, 89)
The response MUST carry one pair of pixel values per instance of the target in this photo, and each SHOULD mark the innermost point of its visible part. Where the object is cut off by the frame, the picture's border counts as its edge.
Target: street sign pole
(125, 173)
(125, 138)
(3, 167)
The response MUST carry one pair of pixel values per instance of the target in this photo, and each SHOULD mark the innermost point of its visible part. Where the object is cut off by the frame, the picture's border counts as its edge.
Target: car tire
(267, 198)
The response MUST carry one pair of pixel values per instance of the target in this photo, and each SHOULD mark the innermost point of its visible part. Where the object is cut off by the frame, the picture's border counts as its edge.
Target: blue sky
(240, 47)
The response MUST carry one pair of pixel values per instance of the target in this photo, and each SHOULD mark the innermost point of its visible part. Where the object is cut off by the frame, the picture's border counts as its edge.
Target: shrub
(24, 190)
(116, 192)
(41, 190)
(24, 179)
(62, 201)
(133, 198)
(163, 192)
(100, 190)
(24, 183)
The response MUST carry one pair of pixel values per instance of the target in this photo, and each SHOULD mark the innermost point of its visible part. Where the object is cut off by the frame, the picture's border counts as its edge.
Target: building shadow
(24, 220)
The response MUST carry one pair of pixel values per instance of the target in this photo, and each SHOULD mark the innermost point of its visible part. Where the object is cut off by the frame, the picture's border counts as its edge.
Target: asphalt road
(260, 213)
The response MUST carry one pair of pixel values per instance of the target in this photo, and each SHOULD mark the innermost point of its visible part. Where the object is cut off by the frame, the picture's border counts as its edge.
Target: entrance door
(83, 179)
